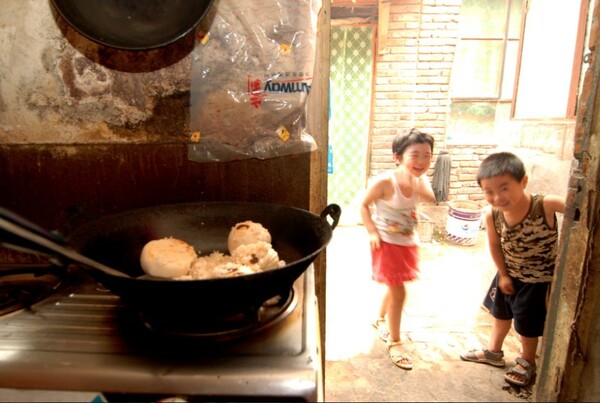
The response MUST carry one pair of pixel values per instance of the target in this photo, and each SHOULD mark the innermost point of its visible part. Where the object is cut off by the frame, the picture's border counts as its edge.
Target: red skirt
(394, 264)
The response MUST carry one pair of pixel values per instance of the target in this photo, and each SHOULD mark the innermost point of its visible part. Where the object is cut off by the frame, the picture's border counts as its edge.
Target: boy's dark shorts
(527, 306)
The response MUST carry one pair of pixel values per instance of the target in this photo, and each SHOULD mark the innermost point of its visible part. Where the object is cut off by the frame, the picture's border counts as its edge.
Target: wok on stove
(116, 241)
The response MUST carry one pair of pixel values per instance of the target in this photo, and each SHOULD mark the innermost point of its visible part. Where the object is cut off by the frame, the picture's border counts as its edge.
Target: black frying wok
(117, 240)
(133, 24)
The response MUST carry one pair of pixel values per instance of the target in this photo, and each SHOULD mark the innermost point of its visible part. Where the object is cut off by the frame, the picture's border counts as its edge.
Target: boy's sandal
(398, 357)
(380, 326)
(525, 373)
(484, 356)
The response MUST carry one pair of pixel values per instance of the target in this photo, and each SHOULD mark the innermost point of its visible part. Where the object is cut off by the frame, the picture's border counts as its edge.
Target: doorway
(534, 139)
(351, 80)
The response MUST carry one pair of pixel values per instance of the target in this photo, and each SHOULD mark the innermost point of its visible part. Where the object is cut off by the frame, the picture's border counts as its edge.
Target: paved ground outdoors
(442, 318)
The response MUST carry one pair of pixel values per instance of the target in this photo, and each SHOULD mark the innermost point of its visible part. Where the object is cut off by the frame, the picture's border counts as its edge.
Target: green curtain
(350, 108)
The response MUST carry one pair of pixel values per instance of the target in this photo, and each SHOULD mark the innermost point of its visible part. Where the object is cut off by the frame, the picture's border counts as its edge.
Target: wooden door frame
(569, 353)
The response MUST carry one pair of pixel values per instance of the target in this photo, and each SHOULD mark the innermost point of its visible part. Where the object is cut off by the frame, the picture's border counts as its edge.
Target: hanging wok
(113, 246)
(133, 24)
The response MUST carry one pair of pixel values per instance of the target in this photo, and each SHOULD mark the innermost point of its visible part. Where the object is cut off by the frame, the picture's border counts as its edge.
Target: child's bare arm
(425, 190)
(504, 280)
(553, 204)
(374, 192)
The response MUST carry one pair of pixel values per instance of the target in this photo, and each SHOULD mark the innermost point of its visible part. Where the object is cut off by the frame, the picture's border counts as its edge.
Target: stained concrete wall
(88, 129)
(547, 151)
(59, 87)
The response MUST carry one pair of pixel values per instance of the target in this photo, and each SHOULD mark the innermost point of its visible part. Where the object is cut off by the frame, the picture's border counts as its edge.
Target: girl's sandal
(380, 326)
(398, 356)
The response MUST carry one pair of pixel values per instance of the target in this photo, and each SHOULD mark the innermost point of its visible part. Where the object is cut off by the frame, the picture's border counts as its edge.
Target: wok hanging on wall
(133, 24)
(116, 241)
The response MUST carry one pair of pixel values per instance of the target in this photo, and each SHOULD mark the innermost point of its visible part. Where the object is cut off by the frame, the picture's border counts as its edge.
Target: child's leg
(522, 372)
(380, 324)
(500, 328)
(385, 302)
(529, 345)
(530, 314)
(396, 296)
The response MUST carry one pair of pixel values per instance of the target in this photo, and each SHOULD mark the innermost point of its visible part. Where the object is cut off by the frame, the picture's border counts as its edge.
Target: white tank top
(396, 219)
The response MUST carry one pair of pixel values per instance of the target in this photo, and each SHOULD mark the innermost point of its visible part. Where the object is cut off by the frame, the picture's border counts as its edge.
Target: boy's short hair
(402, 141)
(501, 163)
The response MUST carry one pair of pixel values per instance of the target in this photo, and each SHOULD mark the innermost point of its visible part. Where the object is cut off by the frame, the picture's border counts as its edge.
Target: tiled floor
(442, 318)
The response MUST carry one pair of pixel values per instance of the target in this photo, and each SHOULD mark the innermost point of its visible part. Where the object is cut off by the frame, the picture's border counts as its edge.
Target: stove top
(21, 286)
(83, 338)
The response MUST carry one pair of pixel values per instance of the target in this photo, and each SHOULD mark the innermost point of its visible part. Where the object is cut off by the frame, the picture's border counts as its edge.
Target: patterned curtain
(350, 108)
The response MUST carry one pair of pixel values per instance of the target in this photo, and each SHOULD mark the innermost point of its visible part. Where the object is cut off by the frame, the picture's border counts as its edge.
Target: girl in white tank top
(392, 231)
(396, 218)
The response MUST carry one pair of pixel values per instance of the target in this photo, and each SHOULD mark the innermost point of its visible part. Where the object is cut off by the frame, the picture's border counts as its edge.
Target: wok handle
(22, 235)
(34, 228)
(334, 211)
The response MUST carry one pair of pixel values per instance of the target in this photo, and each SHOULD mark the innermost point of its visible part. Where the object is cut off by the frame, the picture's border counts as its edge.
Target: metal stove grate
(85, 334)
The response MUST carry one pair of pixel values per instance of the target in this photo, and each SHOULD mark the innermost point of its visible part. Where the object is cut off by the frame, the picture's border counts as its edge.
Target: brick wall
(412, 79)
(463, 172)
(412, 82)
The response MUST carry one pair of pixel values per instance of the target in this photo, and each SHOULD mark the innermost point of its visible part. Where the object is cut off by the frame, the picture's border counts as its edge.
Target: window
(547, 58)
(484, 68)
(514, 59)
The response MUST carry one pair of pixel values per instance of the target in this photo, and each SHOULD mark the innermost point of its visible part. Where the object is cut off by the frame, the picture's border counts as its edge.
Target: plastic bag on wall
(251, 76)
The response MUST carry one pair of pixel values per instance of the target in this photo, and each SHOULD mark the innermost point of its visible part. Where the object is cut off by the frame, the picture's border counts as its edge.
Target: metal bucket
(463, 222)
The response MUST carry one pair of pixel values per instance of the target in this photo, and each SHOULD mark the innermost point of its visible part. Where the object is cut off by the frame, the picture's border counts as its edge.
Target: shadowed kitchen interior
(92, 130)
